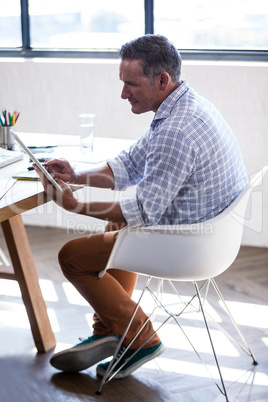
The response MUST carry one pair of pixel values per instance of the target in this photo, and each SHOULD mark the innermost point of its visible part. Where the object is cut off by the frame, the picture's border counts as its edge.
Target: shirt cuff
(131, 212)
(119, 172)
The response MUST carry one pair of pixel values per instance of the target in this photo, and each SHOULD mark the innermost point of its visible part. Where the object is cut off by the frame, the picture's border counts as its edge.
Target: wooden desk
(22, 197)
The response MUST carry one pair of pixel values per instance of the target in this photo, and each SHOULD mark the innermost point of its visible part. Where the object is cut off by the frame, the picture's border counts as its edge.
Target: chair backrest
(184, 252)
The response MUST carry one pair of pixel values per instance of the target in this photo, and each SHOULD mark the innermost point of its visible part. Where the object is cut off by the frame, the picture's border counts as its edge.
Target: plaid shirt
(187, 168)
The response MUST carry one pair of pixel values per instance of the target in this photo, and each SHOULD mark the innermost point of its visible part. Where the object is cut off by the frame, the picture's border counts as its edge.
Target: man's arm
(101, 177)
(110, 211)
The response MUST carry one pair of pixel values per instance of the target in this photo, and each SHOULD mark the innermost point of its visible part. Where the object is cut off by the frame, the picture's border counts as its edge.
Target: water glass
(86, 132)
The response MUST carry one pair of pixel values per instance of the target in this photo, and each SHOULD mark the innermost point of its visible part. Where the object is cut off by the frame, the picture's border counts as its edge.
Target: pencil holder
(6, 138)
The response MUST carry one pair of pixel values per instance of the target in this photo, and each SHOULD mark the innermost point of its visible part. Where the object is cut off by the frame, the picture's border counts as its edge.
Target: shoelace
(121, 351)
(119, 354)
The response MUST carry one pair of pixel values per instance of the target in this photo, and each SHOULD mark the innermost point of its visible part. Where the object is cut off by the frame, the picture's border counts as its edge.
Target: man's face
(141, 94)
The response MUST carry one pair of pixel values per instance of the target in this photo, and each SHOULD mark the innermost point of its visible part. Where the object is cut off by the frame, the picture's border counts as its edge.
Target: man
(187, 168)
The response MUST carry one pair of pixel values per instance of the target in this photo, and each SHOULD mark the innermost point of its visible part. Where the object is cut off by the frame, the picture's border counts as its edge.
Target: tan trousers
(110, 297)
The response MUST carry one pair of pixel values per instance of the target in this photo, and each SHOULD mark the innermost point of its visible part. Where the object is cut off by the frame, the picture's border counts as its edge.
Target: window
(10, 23)
(214, 24)
(208, 29)
(84, 24)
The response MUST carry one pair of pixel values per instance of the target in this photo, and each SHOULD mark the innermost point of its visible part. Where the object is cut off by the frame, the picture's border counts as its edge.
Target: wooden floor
(177, 375)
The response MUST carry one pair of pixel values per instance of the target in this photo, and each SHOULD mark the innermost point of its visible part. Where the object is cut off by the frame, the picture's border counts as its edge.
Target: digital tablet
(36, 161)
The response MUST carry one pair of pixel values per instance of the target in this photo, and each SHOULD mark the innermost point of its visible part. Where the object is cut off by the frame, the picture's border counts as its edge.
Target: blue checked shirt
(187, 167)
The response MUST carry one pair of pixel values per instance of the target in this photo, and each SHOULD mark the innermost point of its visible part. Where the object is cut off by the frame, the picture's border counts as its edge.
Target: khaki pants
(110, 297)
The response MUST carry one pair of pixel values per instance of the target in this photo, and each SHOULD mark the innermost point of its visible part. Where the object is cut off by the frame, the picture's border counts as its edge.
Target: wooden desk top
(22, 196)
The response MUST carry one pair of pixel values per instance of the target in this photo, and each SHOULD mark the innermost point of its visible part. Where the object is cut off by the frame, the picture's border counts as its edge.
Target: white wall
(51, 93)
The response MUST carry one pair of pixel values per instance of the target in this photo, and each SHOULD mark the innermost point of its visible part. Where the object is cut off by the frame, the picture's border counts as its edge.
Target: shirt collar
(166, 107)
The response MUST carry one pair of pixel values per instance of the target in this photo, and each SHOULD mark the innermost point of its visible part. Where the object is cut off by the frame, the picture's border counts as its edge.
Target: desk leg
(26, 275)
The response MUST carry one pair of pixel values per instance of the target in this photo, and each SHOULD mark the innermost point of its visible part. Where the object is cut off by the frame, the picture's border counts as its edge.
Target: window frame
(187, 54)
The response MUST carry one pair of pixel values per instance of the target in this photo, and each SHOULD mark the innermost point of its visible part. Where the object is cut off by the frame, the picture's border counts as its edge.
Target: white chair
(184, 253)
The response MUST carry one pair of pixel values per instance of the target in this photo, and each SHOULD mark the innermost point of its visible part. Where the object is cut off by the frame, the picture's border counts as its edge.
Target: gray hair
(156, 54)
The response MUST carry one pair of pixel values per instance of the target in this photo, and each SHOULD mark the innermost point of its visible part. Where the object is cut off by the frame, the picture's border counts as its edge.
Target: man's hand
(61, 169)
(63, 198)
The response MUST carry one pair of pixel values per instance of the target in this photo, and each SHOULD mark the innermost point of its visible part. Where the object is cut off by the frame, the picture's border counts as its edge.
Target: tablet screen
(36, 161)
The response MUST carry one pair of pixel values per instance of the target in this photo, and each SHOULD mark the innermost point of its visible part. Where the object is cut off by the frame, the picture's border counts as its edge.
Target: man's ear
(164, 80)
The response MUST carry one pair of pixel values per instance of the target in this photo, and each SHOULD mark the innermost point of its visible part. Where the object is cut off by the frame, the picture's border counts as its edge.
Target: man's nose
(125, 93)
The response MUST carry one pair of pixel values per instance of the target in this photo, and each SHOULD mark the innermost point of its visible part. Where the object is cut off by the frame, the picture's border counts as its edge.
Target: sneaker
(83, 355)
(143, 356)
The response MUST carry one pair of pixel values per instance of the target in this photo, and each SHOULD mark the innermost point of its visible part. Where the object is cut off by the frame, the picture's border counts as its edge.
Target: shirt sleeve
(128, 166)
(120, 173)
(132, 211)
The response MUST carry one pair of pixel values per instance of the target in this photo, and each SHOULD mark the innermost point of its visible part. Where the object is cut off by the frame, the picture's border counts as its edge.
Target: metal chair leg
(246, 347)
(223, 391)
